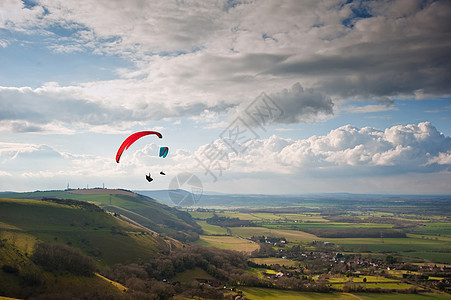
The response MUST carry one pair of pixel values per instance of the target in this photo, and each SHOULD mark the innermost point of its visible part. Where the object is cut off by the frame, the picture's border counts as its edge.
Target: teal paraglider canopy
(164, 151)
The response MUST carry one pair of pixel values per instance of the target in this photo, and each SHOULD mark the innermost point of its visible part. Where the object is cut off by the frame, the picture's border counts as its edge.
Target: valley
(121, 245)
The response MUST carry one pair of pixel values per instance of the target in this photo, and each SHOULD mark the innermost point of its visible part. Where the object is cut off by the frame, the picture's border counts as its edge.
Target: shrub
(9, 269)
(62, 258)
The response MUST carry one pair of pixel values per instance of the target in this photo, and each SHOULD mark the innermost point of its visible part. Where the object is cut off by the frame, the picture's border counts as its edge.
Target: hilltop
(138, 209)
(86, 230)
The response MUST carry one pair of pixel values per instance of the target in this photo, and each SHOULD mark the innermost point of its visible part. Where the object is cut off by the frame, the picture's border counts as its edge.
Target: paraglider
(164, 151)
(149, 178)
(133, 138)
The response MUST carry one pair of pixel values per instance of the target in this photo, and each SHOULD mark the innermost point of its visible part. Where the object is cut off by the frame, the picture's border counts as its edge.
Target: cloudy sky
(251, 96)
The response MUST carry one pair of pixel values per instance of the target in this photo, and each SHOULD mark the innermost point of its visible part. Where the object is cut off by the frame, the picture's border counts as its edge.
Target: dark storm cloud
(379, 69)
(301, 105)
(288, 106)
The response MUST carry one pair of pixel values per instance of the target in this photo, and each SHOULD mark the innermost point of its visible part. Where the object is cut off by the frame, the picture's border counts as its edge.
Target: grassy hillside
(144, 210)
(100, 235)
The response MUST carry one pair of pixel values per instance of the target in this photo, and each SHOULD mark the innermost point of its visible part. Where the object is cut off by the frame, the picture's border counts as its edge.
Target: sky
(252, 96)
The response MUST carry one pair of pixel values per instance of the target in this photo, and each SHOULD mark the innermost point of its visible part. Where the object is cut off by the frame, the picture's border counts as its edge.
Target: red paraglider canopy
(131, 139)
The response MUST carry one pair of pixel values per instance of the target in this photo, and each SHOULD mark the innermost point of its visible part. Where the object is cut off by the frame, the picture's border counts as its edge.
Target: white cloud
(441, 159)
(4, 174)
(399, 149)
(366, 154)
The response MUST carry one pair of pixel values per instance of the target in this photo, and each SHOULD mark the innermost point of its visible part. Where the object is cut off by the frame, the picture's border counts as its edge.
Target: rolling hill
(146, 211)
(107, 226)
(25, 223)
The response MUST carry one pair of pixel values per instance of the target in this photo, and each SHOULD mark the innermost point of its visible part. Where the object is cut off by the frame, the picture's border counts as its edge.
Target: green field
(239, 215)
(254, 293)
(273, 261)
(303, 217)
(290, 235)
(328, 225)
(369, 278)
(388, 286)
(267, 216)
(398, 296)
(201, 215)
(433, 256)
(390, 244)
(228, 243)
(434, 229)
(212, 229)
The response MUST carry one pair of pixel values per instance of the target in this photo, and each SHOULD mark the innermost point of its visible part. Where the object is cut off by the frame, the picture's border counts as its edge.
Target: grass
(119, 286)
(273, 261)
(302, 217)
(239, 215)
(434, 229)
(96, 233)
(290, 235)
(439, 257)
(212, 229)
(155, 216)
(78, 285)
(328, 225)
(395, 296)
(267, 216)
(391, 286)
(390, 244)
(369, 278)
(201, 215)
(255, 293)
(227, 242)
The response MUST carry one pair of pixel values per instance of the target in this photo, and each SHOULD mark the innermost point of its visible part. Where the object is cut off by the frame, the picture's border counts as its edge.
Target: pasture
(228, 243)
(290, 235)
(399, 296)
(212, 229)
(255, 293)
(97, 233)
(275, 261)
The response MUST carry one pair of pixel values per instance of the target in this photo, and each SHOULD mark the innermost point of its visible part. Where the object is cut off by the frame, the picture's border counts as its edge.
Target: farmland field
(227, 242)
(273, 261)
(377, 296)
(212, 229)
(239, 215)
(255, 293)
(290, 235)
(442, 257)
(434, 229)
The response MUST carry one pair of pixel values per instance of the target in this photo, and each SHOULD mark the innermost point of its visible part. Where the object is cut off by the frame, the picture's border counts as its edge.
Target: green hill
(98, 234)
(141, 209)
(25, 223)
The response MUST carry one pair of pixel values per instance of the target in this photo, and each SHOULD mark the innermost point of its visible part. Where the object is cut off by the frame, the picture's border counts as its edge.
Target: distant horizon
(213, 193)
